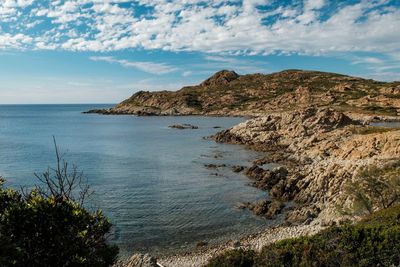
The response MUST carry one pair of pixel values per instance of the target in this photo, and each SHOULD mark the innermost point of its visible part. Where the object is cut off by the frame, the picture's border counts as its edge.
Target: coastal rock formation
(279, 130)
(321, 149)
(228, 94)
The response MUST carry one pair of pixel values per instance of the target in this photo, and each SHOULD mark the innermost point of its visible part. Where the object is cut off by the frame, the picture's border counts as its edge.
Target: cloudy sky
(101, 51)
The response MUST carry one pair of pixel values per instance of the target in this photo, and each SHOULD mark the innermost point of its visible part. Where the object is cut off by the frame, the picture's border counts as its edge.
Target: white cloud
(367, 60)
(150, 67)
(235, 27)
(313, 4)
(14, 41)
(187, 73)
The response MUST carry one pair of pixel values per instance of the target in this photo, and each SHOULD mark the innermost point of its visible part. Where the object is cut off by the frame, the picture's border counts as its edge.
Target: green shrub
(49, 226)
(375, 241)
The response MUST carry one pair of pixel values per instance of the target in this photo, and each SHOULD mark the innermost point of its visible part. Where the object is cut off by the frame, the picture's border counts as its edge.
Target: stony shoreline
(200, 256)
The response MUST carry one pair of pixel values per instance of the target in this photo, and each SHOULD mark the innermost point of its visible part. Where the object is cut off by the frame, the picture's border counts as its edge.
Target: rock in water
(183, 126)
(237, 168)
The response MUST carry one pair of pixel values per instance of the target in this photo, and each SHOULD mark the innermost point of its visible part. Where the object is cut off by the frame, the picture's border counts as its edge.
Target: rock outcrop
(228, 94)
(220, 78)
(321, 149)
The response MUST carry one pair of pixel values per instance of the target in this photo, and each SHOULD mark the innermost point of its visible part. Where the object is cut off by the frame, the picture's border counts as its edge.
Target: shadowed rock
(183, 126)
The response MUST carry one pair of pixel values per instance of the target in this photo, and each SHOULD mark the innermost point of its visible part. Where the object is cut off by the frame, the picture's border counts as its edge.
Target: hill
(227, 93)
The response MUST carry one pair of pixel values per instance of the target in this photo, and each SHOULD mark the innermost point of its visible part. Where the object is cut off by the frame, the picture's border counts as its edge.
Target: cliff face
(227, 93)
(322, 151)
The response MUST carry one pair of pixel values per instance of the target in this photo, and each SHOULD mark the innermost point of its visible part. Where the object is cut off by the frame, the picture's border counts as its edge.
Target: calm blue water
(389, 124)
(149, 179)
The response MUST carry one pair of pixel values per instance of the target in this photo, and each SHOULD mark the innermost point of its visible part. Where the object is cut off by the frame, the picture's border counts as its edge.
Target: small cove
(149, 179)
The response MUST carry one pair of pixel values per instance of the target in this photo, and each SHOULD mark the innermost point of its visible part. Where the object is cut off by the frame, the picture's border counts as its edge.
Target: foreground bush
(49, 225)
(373, 242)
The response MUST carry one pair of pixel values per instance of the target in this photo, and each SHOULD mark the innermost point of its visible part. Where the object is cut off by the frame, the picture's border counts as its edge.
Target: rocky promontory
(320, 151)
(227, 93)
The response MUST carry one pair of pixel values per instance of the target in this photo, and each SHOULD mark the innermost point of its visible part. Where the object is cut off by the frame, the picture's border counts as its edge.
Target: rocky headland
(228, 94)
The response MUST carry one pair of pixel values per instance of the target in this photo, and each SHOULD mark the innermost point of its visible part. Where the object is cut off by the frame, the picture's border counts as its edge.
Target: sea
(149, 179)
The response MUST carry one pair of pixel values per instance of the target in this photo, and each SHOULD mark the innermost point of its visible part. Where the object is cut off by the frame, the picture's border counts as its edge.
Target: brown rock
(220, 78)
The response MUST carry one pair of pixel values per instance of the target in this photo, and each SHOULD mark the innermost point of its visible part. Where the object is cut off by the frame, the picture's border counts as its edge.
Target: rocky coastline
(320, 151)
(317, 151)
(313, 126)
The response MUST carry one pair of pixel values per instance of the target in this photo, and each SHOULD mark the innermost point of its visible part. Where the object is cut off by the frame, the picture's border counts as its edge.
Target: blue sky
(102, 51)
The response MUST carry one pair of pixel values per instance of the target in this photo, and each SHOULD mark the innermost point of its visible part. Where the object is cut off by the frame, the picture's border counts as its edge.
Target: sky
(102, 51)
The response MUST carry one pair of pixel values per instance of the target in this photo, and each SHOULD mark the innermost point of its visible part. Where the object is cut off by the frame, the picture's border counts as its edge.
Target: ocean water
(388, 124)
(149, 179)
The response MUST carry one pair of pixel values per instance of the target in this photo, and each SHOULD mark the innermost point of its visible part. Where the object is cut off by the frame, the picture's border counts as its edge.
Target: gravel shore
(200, 256)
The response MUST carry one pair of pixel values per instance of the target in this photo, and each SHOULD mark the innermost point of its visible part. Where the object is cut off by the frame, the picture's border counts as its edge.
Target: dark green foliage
(49, 225)
(375, 241)
(192, 100)
(39, 231)
(234, 258)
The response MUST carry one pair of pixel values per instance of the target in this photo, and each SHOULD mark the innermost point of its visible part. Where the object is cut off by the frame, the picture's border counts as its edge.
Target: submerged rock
(183, 126)
(214, 166)
(237, 168)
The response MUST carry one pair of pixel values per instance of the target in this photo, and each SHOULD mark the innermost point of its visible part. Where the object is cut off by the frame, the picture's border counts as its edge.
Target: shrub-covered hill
(227, 93)
(374, 241)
